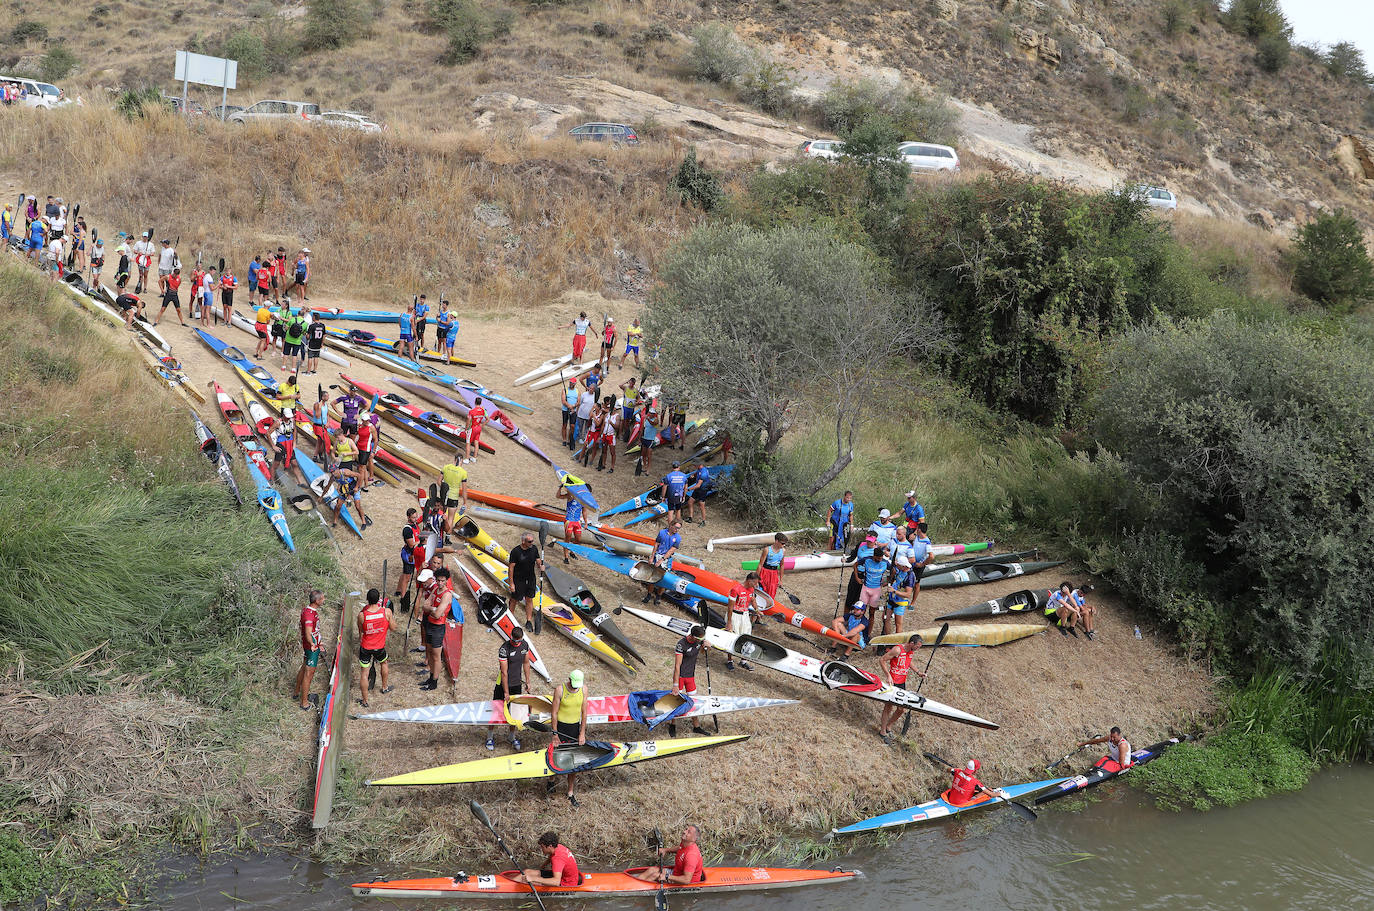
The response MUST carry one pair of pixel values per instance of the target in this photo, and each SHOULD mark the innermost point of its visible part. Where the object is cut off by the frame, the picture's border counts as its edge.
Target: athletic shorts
(517, 687)
(261, 330)
(568, 731)
(452, 504)
(163, 273)
(367, 655)
(523, 588)
(312, 658)
(275, 281)
(405, 337)
(571, 529)
(873, 597)
(407, 567)
(740, 624)
(285, 452)
(898, 607)
(917, 572)
(678, 420)
(687, 684)
(607, 346)
(631, 349)
(568, 418)
(434, 633)
(172, 300)
(289, 349)
(675, 502)
(475, 437)
(312, 352)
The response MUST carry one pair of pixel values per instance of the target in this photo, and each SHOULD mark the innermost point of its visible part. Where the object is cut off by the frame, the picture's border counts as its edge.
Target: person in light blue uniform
(666, 545)
(701, 485)
(673, 492)
(421, 321)
(884, 529)
(406, 321)
(841, 514)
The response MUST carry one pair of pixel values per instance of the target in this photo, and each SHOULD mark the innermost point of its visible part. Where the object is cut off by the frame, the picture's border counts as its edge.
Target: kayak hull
(548, 366)
(1028, 602)
(1098, 775)
(979, 573)
(941, 808)
(600, 709)
(604, 885)
(837, 675)
(966, 634)
(576, 595)
(761, 538)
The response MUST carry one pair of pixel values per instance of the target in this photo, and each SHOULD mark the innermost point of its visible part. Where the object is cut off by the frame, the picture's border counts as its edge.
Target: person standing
(896, 668)
(666, 545)
(405, 322)
(579, 327)
(561, 869)
(841, 514)
(702, 485)
(434, 624)
(262, 325)
(742, 612)
(171, 296)
(477, 417)
(513, 665)
(629, 403)
(374, 621)
(585, 403)
(771, 564)
(227, 283)
(572, 518)
(37, 243)
(350, 404)
(97, 261)
(633, 336)
(143, 259)
(687, 867)
(253, 268)
(673, 492)
(421, 321)
(899, 594)
(608, 337)
(570, 721)
(293, 340)
(314, 343)
(166, 264)
(454, 487)
(569, 398)
(122, 267)
(914, 512)
(207, 296)
(319, 419)
(79, 234)
(53, 258)
(610, 432)
(873, 570)
(310, 647)
(367, 433)
(264, 278)
(884, 528)
(523, 568)
(685, 655)
(303, 274)
(7, 223)
(278, 270)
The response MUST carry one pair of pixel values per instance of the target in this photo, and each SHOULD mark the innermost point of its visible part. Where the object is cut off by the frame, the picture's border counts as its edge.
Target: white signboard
(204, 70)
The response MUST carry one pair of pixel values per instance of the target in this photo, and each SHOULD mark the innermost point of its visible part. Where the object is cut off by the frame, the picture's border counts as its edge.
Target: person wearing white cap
(966, 784)
(570, 720)
(143, 259)
(884, 529)
(915, 513)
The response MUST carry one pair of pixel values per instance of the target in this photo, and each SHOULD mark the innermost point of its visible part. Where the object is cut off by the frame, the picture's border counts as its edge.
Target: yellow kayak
(556, 760)
(967, 634)
(471, 532)
(560, 615)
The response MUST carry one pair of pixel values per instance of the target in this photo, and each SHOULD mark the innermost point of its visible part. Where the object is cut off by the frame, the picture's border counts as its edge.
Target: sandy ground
(806, 767)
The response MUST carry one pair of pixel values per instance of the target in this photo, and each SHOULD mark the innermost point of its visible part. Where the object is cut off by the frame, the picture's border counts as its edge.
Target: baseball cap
(575, 678)
(145, 235)
(974, 765)
(870, 537)
(910, 494)
(307, 250)
(884, 513)
(610, 319)
(425, 575)
(904, 562)
(858, 605)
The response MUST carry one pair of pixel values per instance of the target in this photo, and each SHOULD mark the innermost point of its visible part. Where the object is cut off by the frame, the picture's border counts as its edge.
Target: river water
(1310, 850)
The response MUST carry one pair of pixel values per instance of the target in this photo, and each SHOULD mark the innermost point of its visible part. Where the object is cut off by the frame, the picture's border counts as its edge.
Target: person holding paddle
(561, 869)
(896, 668)
(687, 865)
(966, 784)
(570, 722)
(1118, 751)
(513, 662)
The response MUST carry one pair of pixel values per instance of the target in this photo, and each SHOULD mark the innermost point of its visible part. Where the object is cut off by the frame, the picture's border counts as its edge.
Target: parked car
(224, 111)
(821, 148)
(1157, 197)
(42, 95)
(925, 156)
(605, 132)
(192, 106)
(350, 120)
(276, 111)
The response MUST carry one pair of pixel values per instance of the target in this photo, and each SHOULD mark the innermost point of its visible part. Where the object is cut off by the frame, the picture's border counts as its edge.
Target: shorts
(407, 567)
(899, 684)
(568, 731)
(769, 580)
(405, 336)
(740, 624)
(349, 426)
(163, 273)
(608, 346)
(434, 633)
(631, 349)
(517, 687)
(262, 330)
(678, 420)
(916, 573)
(288, 349)
(312, 352)
(687, 684)
(300, 278)
(312, 658)
(872, 597)
(286, 451)
(367, 655)
(898, 608)
(475, 437)
(675, 502)
(452, 504)
(568, 418)
(572, 529)
(523, 588)
(171, 300)
(276, 281)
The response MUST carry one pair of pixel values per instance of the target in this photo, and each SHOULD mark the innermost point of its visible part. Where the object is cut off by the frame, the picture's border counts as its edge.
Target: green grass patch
(1226, 769)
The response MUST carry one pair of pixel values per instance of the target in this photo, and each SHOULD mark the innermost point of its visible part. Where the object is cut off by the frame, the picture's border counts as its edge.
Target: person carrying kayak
(1118, 751)
(579, 327)
(854, 626)
(770, 564)
(841, 514)
(742, 613)
(561, 869)
(687, 865)
(524, 568)
(374, 621)
(896, 668)
(1069, 608)
(673, 492)
(966, 784)
(477, 418)
(513, 665)
(702, 485)
(310, 647)
(570, 722)
(666, 545)
(572, 518)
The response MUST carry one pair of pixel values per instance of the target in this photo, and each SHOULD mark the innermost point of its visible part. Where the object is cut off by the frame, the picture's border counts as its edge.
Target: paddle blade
(940, 636)
(481, 815)
(938, 761)
(1023, 811)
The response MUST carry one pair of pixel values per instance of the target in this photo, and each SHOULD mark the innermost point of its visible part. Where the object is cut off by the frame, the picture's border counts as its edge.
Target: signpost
(204, 70)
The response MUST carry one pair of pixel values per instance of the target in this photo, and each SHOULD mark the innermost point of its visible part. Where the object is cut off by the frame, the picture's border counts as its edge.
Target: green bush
(768, 85)
(1256, 19)
(1272, 53)
(468, 25)
(1344, 61)
(248, 48)
(283, 45)
(717, 54)
(696, 184)
(809, 191)
(1176, 14)
(1331, 264)
(332, 24)
(22, 876)
(56, 63)
(28, 30)
(136, 103)
(1225, 769)
(917, 117)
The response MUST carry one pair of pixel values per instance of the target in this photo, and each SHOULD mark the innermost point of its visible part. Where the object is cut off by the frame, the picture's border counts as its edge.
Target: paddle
(372, 666)
(1067, 756)
(482, 817)
(704, 616)
(1021, 809)
(939, 638)
(539, 586)
(790, 597)
(660, 898)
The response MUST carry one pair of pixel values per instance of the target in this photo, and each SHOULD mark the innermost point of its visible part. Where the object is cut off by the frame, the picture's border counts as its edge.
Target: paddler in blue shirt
(665, 546)
(673, 492)
(914, 512)
(841, 512)
(884, 529)
(702, 486)
(572, 518)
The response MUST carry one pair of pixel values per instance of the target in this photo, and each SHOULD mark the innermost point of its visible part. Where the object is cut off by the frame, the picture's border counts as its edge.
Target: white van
(42, 95)
(274, 111)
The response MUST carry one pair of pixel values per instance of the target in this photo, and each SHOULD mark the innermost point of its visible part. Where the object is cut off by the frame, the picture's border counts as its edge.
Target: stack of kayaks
(547, 367)
(497, 418)
(642, 571)
(600, 709)
(211, 449)
(833, 560)
(603, 885)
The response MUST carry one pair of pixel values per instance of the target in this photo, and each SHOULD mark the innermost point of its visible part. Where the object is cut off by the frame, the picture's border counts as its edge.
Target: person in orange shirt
(477, 416)
(374, 621)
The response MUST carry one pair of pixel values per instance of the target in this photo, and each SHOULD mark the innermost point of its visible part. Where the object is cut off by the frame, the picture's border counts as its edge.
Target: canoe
(966, 634)
(1105, 770)
(759, 539)
(940, 807)
(270, 501)
(238, 426)
(562, 375)
(1030, 603)
(575, 593)
(493, 611)
(553, 527)
(319, 482)
(642, 571)
(548, 366)
(600, 709)
(577, 487)
(211, 449)
(556, 759)
(465, 528)
(498, 418)
(595, 885)
(562, 616)
(838, 675)
(331, 729)
(246, 325)
(238, 359)
(986, 572)
(771, 608)
(831, 560)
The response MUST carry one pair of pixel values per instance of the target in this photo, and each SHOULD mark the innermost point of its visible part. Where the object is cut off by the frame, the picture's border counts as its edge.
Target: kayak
(967, 634)
(1026, 602)
(832, 560)
(574, 592)
(1105, 769)
(556, 759)
(986, 572)
(838, 675)
(270, 501)
(247, 326)
(424, 423)
(597, 885)
(600, 709)
(642, 571)
(331, 731)
(467, 387)
(651, 497)
(359, 337)
(243, 434)
(492, 611)
(497, 418)
(105, 306)
(562, 375)
(562, 616)
(940, 807)
(212, 450)
(547, 367)
(238, 359)
(766, 537)
(770, 607)
(387, 359)
(577, 487)
(168, 368)
(553, 527)
(359, 316)
(319, 482)
(472, 533)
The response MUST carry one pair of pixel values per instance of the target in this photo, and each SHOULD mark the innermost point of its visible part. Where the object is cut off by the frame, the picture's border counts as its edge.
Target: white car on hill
(822, 148)
(350, 120)
(41, 95)
(927, 156)
(1156, 197)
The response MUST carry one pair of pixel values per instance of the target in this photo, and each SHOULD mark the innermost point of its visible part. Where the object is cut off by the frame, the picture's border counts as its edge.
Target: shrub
(56, 63)
(468, 25)
(332, 24)
(916, 116)
(140, 102)
(1176, 15)
(1271, 53)
(658, 32)
(717, 54)
(1331, 264)
(283, 45)
(1226, 769)
(768, 85)
(1344, 61)
(695, 183)
(248, 48)
(28, 30)
(1256, 19)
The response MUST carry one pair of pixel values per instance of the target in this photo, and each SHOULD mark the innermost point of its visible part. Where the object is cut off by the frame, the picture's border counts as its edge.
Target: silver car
(41, 95)
(350, 120)
(273, 111)
(1156, 197)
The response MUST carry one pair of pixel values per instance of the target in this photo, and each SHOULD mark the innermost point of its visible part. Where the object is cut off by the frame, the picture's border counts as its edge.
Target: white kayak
(761, 538)
(849, 679)
(247, 326)
(547, 367)
(563, 375)
(833, 560)
(600, 709)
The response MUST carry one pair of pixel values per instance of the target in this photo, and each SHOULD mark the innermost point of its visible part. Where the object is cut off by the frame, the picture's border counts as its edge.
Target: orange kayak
(525, 507)
(595, 885)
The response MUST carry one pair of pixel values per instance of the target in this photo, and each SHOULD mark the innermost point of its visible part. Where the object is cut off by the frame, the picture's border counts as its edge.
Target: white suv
(1156, 197)
(42, 95)
(822, 148)
(350, 120)
(925, 156)
(276, 111)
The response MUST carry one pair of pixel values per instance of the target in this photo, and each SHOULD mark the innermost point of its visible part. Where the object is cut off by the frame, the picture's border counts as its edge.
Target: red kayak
(795, 618)
(430, 420)
(243, 433)
(603, 885)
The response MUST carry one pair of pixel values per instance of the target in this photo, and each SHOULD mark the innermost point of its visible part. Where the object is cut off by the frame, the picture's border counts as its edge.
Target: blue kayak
(578, 488)
(270, 501)
(318, 481)
(361, 316)
(239, 359)
(650, 497)
(939, 808)
(644, 571)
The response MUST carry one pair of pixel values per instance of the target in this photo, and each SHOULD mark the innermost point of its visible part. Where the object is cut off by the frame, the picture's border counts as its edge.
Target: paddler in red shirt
(374, 621)
(687, 866)
(561, 869)
(966, 784)
(896, 667)
(310, 647)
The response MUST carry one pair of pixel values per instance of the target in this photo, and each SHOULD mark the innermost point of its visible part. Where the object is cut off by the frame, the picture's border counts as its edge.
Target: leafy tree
(1331, 262)
(717, 54)
(56, 63)
(468, 25)
(1344, 61)
(331, 24)
(248, 48)
(1272, 52)
(1256, 19)
(695, 183)
(28, 30)
(768, 329)
(916, 116)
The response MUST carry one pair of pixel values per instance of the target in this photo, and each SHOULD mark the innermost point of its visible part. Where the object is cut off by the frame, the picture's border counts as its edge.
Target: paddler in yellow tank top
(455, 478)
(570, 720)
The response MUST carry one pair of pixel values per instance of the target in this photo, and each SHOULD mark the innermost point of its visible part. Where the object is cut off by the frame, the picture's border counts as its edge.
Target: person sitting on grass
(854, 626)
(1070, 609)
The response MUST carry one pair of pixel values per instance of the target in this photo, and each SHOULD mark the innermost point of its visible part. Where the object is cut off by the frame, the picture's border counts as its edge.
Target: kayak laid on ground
(474, 389)
(212, 450)
(559, 759)
(493, 611)
(554, 528)
(1022, 602)
(574, 592)
(497, 418)
(360, 316)
(238, 359)
(761, 538)
(270, 501)
(471, 532)
(804, 562)
(600, 709)
(362, 338)
(771, 608)
(548, 366)
(1105, 769)
(426, 424)
(940, 807)
(986, 572)
(643, 571)
(604, 885)
(846, 677)
(246, 325)
(966, 634)
(562, 616)
(238, 426)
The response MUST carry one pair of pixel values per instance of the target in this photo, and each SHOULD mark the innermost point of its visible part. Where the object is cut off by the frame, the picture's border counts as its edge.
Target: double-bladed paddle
(482, 817)
(1021, 809)
(939, 638)
(1067, 756)
(790, 597)
(660, 898)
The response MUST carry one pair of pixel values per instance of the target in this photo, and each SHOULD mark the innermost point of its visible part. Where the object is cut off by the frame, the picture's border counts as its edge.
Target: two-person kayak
(603, 885)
